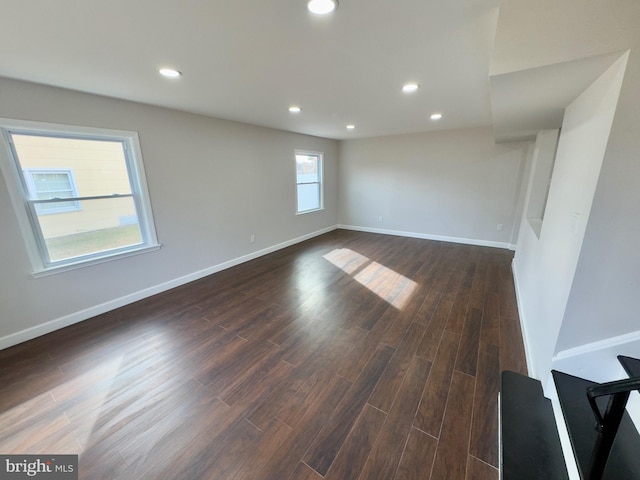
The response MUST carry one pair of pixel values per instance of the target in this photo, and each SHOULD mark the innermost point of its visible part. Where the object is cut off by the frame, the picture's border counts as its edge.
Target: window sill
(93, 261)
(310, 211)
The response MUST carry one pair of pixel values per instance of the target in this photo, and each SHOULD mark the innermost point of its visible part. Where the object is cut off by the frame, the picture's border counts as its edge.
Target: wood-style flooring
(349, 356)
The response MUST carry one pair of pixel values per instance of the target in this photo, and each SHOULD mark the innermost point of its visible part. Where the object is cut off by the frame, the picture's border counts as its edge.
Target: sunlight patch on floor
(393, 287)
(96, 383)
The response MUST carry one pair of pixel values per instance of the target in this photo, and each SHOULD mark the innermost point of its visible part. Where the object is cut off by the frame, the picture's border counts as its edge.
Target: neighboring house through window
(79, 193)
(51, 184)
(308, 181)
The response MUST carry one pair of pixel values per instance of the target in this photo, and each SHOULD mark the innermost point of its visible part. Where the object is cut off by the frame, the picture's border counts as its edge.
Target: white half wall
(544, 266)
(605, 299)
(213, 183)
(450, 185)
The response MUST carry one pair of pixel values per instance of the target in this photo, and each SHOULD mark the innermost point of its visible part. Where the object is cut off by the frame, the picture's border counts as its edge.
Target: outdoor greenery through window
(83, 193)
(309, 181)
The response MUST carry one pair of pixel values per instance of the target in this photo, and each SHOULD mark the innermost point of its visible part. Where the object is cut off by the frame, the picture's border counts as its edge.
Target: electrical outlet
(252, 239)
(500, 227)
(380, 219)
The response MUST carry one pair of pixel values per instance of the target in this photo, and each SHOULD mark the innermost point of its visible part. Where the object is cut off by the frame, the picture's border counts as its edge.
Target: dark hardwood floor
(349, 356)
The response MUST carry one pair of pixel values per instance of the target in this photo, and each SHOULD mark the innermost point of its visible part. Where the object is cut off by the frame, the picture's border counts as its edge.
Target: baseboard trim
(76, 317)
(427, 236)
(589, 348)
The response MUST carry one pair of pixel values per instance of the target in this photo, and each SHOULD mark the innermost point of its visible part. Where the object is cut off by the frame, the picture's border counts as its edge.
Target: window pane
(99, 226)
(308, 197)
(45, 185)
(99, 166)
(51, 185)
(83, 192)
(307, 168)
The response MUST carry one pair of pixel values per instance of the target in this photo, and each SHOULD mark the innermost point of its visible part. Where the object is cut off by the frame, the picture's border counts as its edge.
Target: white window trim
(17, 191)
(320, 156)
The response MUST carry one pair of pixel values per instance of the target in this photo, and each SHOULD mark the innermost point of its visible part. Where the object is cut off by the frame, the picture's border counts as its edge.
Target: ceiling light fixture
(410, 87)
(170, 72)
(322, 7)
(436, 116)
(351, 127)
(294, 109)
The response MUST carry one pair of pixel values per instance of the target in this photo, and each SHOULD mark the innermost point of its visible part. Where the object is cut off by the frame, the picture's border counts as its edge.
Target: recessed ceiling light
(322, 7)
(436, 116)
(410, 87)
(294, 109)
(350, 127)
(170, 72)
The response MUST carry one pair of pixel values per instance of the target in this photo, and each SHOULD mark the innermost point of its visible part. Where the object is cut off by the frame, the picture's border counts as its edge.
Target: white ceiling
(527, 101)
(249, 60)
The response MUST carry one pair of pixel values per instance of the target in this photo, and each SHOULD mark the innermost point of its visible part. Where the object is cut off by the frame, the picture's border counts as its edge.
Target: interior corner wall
(605, 300)
(213, 183)
(546, 145)
(544, 267)
(454, 185)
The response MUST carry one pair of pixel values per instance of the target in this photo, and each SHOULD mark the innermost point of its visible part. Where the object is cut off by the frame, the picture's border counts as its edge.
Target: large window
(308, 181)
(79, 193)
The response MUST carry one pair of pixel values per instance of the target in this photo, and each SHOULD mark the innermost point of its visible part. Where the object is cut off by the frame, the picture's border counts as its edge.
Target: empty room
(322, 239)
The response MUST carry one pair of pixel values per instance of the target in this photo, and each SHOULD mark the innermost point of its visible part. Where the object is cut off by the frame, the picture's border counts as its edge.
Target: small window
(79, 193)
(52, 184)
(308, 181)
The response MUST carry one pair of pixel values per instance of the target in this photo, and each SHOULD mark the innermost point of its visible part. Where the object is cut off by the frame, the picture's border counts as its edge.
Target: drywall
(456, 185)
(213, 183)
(603, 299)
(547, 32)
(545, 154)
(544, 266)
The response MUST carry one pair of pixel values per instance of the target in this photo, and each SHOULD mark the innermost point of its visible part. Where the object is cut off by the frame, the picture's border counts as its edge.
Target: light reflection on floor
(391, 286)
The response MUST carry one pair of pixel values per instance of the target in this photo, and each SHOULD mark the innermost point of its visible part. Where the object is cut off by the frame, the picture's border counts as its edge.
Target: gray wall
(212, 183)
(454, 185)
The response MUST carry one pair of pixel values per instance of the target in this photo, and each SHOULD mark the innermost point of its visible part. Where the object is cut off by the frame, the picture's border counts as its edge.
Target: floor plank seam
(199, 361)
(465, 374)
(482, 461)
(404, 448)
(426, 433)
(473, 412)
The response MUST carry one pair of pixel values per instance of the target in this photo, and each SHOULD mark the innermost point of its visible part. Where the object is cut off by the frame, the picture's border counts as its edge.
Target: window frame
(320, 182)
(24, 207)
(33, 189)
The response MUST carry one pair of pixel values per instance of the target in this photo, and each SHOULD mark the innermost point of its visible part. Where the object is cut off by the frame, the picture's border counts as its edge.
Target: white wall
(212, 183)
(603, 301)
(544, 157)
(453, 185)
(544, 267)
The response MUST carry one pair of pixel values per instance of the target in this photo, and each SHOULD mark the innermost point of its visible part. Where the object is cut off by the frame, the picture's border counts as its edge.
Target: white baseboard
(58, 323)
(605, 344)
(598, 362)
(427, 236)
